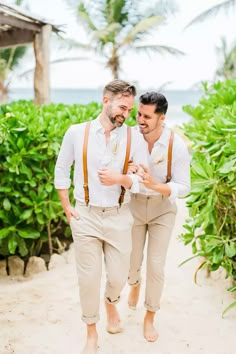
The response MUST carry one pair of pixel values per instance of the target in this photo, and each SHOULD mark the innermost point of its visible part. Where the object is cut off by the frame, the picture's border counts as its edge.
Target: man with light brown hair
(101, 222)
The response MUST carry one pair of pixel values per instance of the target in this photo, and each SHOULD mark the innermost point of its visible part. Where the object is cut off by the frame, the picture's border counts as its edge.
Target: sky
(153, 71)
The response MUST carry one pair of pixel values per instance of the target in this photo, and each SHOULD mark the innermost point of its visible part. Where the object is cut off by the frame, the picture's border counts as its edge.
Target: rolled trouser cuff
(134, 284)
(151, 308)
(90, 320)
(112, 302)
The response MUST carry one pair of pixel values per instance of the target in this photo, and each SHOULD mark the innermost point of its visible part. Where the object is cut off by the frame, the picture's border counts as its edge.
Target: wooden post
(41, 74)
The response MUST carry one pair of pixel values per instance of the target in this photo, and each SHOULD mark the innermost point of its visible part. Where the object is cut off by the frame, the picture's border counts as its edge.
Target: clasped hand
(146, 178)
(107, 177)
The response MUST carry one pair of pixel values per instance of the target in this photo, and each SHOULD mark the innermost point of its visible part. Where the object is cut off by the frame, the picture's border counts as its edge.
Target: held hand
(147, 180)
(108, 177)
(132, 167)
(70, 212)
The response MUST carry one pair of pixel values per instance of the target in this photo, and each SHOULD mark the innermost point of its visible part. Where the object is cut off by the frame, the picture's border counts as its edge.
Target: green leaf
(22, 247)
(228, 167)
(6, 204)
(26, 201)
(26, 214)
(20, 143)
(218, 255)
(230, 249)
(232, 288)
(49, 187)
(4, 233)
(232, 305)
(12, 244)
(28, 233)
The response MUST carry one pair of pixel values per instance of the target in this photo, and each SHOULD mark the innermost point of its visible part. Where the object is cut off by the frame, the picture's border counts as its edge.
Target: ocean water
(176, 98)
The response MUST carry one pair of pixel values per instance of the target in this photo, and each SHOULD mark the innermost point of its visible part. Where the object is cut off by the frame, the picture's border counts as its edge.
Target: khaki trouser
(101, 231)
(155, 215)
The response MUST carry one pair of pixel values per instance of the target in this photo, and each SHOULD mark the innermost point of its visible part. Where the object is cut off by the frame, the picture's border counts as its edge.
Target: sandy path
(42, 316)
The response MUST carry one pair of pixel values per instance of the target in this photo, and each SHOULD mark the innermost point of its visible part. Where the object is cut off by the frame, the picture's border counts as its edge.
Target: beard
(117, 120)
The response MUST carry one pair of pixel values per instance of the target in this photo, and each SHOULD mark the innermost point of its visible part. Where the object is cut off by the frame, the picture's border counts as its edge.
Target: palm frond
(85, 18)
(55, 61)
(107, 34)
(162, 49)
(213, 11)
(14, 54)
(115, 11)
(70, 43)
(142, 27)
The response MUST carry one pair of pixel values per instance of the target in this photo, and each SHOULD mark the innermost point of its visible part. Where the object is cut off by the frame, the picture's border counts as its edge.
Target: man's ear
(105, 99)
(162, 117)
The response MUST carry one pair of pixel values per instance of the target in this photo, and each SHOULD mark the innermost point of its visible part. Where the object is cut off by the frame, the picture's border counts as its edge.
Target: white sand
(42, 315)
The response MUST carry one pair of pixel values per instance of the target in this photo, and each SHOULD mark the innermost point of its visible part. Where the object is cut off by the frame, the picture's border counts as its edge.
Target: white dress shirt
(180, 169)
(99, 154)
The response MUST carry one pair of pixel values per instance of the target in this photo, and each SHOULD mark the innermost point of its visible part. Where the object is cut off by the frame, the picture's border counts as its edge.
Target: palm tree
(116, 26)
(227, 69)
(9, 59)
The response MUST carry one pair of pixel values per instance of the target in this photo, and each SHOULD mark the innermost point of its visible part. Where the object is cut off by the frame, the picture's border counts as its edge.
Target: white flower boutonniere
(158, 159)
(115, 148)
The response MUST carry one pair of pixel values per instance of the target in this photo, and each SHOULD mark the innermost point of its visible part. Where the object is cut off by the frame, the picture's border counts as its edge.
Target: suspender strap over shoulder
(125, 168)
(169, 162)
(85, 168)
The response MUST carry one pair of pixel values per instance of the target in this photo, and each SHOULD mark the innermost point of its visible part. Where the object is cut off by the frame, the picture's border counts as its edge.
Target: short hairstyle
(119, 86)
(157, 99)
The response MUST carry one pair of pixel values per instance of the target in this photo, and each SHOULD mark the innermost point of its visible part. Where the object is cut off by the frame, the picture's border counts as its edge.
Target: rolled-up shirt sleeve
(180, 181)
(135, 188)
(139, 154)
(64, 162)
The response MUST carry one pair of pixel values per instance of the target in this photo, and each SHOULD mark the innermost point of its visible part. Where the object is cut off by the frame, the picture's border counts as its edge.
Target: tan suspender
(85, 168)
(125, 168)
(169, 161)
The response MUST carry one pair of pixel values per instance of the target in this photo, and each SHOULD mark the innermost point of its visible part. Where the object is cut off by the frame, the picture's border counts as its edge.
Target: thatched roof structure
(19, 27)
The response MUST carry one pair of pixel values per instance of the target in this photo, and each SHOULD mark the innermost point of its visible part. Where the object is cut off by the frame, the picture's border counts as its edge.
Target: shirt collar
(97, 125)
(99, 128)
(164, 138)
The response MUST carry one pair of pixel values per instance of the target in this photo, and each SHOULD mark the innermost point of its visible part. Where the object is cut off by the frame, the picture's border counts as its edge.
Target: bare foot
(113, 319)
(149, 331)
(91, 345)
(134, 296)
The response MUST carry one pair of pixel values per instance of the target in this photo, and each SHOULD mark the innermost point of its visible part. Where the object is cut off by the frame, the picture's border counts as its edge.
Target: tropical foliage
(118, 26)
(227, 68)
(211, 228)
(31, 217)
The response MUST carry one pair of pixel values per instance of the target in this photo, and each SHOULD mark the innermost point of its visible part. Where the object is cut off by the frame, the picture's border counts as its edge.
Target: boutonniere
(158, 159)
(115, 148)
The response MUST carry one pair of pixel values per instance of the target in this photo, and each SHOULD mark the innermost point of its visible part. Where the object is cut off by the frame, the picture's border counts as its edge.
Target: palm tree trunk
(3, 93)
(114, 64)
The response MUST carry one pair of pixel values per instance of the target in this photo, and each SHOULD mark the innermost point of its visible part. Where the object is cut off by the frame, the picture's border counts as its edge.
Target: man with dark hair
(154, 209)
(100, 222)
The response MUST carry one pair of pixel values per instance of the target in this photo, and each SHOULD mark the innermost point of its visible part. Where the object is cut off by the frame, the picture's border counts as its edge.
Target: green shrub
(30, 138)
(211, 228)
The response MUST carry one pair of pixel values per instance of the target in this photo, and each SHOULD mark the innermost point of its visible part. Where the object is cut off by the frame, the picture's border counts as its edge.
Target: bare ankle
(91, 345)
(149, 316)
(134, 296)
(92, 331)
